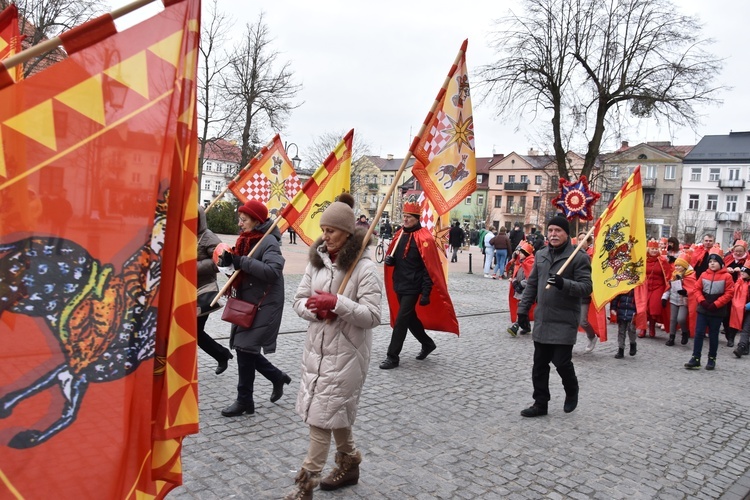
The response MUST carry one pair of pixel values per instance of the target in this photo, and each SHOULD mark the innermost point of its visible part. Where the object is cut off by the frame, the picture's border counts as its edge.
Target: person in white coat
(337, 347)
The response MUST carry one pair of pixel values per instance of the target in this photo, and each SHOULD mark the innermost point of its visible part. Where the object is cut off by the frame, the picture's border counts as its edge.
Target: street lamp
(296, 160)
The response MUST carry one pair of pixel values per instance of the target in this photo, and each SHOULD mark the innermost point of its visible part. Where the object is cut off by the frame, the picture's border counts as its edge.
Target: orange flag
(269, 178)
(10, 39)
(332, 178)
(97, 263)
(439, 226)
(445, 158)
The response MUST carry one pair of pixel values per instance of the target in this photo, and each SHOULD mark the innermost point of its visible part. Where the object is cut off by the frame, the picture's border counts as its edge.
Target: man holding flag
(557, 313)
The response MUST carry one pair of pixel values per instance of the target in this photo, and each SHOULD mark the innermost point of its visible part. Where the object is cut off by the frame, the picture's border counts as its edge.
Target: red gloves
(322, 304)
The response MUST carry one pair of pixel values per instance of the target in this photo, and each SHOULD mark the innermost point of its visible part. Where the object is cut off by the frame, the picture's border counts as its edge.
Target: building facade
(221, 162)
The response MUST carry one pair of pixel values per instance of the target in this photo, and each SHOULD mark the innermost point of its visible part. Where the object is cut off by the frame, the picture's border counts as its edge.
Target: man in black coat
(516, 236)
(456, 239)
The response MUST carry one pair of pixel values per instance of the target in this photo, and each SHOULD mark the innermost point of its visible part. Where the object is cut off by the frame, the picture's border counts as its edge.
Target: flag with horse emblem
(445, 158)
(619, 258)
(98, 366)
(269, 178)
(332, 178)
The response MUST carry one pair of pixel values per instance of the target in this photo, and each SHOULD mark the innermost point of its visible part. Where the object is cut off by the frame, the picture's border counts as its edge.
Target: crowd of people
(696, 289)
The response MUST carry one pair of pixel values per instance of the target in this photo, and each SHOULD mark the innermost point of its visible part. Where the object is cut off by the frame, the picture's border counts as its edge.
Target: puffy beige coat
(337, 353)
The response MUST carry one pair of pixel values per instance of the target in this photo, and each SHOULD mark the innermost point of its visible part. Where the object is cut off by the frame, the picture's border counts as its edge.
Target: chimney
(532, 152)
(624, 145)
(389, 156)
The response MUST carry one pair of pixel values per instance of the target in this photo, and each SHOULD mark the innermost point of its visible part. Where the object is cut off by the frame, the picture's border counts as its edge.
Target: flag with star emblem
(10, 39)
(439, 226)
(332, 178)
(445, 159)
(269, 178)
(98, 222)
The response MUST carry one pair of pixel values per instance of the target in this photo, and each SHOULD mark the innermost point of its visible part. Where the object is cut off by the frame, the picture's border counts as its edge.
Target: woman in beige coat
(337, 347)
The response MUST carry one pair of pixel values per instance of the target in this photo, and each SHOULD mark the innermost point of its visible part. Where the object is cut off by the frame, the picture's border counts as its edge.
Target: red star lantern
(576, 199)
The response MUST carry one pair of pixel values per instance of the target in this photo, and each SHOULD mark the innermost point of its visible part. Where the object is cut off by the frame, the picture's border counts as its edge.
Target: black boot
(224, 364)
(278, 387)
(236, 409)
(730, 339)
(620, 353)
(685, 338)
(670, 342)
(740, 350)
(571, 400)
(633, 349)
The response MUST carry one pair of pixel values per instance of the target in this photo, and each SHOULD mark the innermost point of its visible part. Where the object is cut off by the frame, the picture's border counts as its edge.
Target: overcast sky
(376, 66)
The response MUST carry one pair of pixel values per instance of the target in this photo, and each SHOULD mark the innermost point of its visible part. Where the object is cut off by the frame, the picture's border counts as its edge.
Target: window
(537, 180)
(207, 184)
(747, 203)
(713, 174)
(666, 201)
(694, 201)
(712, 201)
(522, 204)
(553, 183)
(650, 172)
(665, 230)
(695, 174)
(669, 172)
(734, 174)
(509, 205)
(479, 178)
(648, 199)
(468, 200)
(385, 180)
(536, 203)
(731, 203)
(209, 166)
(217, 185)
(499, 201)
(615, 171)
(499, 180)
(511, 178)
(525, 179)
(480, 199)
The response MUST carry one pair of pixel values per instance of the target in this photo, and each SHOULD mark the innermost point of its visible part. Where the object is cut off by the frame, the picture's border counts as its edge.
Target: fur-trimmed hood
(348, 253)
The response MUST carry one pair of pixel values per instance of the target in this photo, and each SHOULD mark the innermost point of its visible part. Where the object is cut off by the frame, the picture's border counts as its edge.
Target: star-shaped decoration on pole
(576, 199)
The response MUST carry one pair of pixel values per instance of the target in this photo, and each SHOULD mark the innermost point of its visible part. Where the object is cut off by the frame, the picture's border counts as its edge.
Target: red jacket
(715, 287)
(739, 299)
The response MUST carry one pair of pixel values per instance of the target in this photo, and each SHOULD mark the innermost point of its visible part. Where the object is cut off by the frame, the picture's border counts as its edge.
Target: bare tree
(327, 142)
(40, 20)
(589, 63)
(216, 121)
(261, 91)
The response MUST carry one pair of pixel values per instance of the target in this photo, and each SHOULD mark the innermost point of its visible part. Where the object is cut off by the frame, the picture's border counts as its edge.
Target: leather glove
(682, 292)
(322, 302)
(703, 304)
(425, 300)
(389, 260)
(712, 307)
(327, 315)
(237, 261)
(663, 303)
(523, 322)
(518, 287)
(225, 260)
(557, 281)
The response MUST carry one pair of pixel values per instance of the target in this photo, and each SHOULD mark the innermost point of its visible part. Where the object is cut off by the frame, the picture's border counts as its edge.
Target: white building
(221, 161)
(714, 199)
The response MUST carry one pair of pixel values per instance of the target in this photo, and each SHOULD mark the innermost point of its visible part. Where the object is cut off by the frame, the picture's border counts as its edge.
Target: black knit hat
(559, 221)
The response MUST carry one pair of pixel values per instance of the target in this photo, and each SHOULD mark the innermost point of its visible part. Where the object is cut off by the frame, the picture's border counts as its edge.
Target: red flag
(97, 263)
(445, 158)
(332, 178)
(269, 178)
(10, 39)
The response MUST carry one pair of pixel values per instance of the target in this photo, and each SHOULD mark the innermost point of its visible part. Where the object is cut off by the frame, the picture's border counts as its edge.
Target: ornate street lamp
(296, 160)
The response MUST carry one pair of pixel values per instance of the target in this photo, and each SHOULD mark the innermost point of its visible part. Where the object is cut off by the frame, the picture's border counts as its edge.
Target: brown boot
(304, 484)
(345, 473)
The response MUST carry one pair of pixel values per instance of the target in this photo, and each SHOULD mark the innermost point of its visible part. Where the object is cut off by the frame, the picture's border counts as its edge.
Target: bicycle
(381, 248)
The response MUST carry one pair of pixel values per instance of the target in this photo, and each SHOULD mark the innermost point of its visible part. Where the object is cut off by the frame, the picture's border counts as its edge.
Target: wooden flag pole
(237, 271)
(53, 43)
(401, 169)
(578, 247)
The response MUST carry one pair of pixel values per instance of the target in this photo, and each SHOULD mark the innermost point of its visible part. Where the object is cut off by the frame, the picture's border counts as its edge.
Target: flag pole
(239, 174)
(237, 271)
(409, 153)
(53, 43)
(578, 247)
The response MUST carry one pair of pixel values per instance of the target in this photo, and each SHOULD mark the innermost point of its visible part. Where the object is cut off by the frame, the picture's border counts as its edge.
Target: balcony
(515, 210)
(728, 216)
(516, 186)
(648, 183)
(372, 186)
(732, 184)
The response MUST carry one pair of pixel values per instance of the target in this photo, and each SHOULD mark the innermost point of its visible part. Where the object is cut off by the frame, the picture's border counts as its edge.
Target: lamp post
(296, 160)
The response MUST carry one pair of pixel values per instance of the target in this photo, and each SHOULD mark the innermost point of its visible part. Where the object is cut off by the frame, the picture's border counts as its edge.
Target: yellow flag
(619, 259)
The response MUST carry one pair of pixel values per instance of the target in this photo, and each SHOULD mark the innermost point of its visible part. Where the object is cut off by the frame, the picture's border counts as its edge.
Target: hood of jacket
(348, 253)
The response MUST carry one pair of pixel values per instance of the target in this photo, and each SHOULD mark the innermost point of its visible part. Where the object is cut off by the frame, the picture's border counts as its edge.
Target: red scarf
(245, 242)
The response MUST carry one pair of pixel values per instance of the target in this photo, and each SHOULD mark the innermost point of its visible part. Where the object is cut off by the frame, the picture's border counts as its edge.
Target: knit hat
(652, 244)
(745, 270)
(682, 260)
(255, 209)
(561, 222)
(412, 208)
(715, 254)
(339, 214)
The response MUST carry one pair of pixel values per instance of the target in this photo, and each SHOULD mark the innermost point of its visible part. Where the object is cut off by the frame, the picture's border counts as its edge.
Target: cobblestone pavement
(449, 426)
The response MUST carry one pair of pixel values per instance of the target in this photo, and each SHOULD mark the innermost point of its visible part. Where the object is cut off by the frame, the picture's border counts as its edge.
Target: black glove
(682, 292)
(671, 259)
(556, 280)
(390, 260)
(523, 322)
(236, 259)
(518, 287)
(424, 300)
(711, 307)
(704, 304)
(226, 259)
(663, 303)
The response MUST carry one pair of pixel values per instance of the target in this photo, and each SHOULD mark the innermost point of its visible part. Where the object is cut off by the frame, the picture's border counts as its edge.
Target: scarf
(245, 242)
(410, 231)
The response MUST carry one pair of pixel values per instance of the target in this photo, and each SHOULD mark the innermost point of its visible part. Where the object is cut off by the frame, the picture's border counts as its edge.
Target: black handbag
(206, 294)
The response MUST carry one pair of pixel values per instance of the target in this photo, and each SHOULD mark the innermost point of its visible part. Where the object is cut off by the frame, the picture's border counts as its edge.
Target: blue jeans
(500, 256)
(714, 325)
